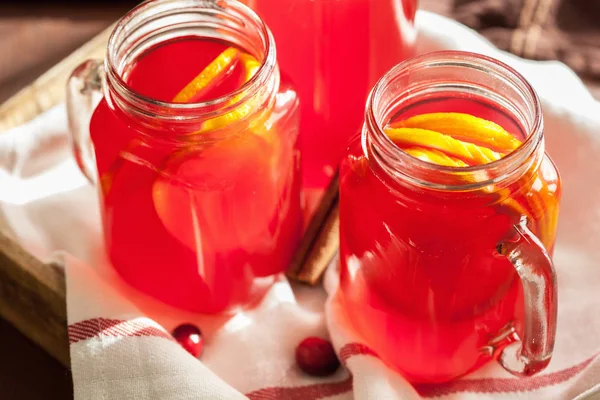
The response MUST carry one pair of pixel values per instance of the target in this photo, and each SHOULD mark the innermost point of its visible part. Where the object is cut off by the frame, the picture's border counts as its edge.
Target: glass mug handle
(84, 92)
(535, 269)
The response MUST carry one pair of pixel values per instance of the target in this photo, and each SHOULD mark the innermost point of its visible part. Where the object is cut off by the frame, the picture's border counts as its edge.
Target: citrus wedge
(552, 212)
(440, 158)
(543, 206)
(468, 152)
(251, 66)
(209, 75)
(226, 119)
(222, 195)
(435, 157)
(464, 127)
(437, 138)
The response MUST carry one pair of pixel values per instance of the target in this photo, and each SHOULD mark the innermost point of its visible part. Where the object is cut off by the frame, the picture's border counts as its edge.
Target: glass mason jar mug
(194, 152)
(448, 212)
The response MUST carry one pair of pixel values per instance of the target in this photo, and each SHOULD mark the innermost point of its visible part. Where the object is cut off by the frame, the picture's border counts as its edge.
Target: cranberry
(190, 338)
(316, 356)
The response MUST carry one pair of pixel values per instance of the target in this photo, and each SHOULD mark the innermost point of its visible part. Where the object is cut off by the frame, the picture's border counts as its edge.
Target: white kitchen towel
(119, 338)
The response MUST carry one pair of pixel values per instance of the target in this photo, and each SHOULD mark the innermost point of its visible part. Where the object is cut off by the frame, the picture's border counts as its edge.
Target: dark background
(35, 35)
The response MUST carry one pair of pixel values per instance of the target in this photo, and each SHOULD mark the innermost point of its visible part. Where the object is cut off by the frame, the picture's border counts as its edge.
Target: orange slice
(222, 196)
(226, 119)
(464, 127)
(435, 157)
(251, 66)
(544, 206)
(219, 66)
(439, 135)
(552, 212)
(440, 158)
(468, 152)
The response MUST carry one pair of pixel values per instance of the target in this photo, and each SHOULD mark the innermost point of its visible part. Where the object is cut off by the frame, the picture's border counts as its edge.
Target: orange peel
(435, 157)
(468, 152)
(543, 204)
(251, 66)
(210, 75)
(464, 127)
(440, 158)
(438, 137)
(205, 79)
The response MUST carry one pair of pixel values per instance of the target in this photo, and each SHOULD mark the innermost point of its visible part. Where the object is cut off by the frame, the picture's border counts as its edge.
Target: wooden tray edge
(32, 298)
(33, 294)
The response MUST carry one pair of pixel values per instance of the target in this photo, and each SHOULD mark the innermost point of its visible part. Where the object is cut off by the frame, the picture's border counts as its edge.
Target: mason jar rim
(152, 11)
(400, 164)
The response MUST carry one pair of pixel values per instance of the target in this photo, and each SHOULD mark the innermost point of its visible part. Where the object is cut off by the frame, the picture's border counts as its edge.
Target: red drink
(334, 52)
(200, 205)
(421, 273)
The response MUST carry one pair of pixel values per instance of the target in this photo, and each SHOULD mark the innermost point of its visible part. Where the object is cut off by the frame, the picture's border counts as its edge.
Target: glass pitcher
(334, 51)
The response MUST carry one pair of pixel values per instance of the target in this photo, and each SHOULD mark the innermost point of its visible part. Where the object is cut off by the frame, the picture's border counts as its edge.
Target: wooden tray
(32, 294)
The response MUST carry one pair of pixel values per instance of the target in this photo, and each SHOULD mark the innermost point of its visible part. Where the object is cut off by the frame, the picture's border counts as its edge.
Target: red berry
(316, 357)
(190, 338)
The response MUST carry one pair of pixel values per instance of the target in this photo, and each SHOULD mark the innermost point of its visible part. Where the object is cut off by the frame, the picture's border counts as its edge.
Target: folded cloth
(119, 338)
(566, 30)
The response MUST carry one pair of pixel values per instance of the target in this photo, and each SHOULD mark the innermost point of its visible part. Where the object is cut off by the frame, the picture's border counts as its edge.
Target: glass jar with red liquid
(334, 52)
(194, 152)
(448, 212)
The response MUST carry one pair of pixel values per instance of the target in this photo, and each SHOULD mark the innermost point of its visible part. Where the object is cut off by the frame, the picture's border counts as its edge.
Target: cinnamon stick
(321, 239)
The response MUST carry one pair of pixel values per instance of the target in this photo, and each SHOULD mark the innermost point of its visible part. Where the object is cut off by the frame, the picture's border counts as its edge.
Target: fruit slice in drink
(461, 140)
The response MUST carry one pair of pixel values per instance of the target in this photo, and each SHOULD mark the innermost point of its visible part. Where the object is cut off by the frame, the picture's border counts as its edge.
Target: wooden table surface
(35, 35)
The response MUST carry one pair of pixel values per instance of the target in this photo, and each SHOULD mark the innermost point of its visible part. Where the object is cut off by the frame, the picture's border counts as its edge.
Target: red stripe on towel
(355, 349)
(502, 385)
(308, 392)
(485, 385)
(104, 327)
